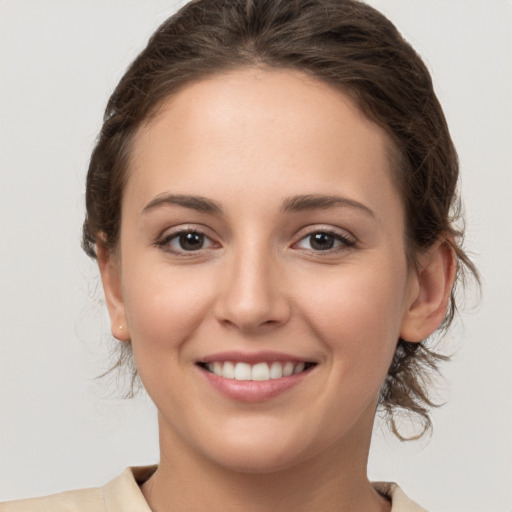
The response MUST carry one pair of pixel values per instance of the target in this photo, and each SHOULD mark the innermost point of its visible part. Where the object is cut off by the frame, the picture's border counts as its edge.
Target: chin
(257, 459)
(260, 450)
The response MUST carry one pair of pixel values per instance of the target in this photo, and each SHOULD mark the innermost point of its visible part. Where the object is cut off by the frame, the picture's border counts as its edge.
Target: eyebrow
(320, 202)
(198, 203)
(292, 204)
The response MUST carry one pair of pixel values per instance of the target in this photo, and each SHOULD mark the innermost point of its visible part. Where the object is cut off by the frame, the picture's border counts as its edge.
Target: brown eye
(324, 241)
(183, 242)
(190, 241)
(321, 241)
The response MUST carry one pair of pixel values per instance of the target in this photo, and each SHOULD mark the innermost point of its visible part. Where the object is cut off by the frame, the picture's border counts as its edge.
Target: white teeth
(228, 370)
(287, 369)
(242, 371)
(298, 368)
(217, 368)
(257, 372)
(260, 371)
(276, 370)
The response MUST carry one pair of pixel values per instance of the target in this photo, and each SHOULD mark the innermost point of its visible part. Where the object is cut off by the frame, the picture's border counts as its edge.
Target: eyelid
(163, 240)
(346, 238)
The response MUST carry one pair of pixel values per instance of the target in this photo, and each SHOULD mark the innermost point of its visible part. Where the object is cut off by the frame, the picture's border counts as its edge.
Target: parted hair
(344, 43)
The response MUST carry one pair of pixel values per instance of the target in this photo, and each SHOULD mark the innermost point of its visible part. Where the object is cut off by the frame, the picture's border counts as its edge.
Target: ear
(432, 288)
(110, 271)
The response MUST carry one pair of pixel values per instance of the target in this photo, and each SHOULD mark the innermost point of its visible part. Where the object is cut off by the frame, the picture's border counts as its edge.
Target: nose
(252, 294)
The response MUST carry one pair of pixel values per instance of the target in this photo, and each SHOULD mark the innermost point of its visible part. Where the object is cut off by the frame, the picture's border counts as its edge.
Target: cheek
(164, 308)
(356, 315)
(357, 312)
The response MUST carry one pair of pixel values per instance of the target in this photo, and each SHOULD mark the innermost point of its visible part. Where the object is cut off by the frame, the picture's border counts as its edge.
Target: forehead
(260, 129)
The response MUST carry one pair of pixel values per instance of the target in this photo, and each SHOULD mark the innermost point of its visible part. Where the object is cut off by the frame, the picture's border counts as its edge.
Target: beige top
(124, 495)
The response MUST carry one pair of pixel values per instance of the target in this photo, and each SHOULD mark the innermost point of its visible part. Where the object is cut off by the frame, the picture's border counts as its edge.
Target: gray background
(60, 429)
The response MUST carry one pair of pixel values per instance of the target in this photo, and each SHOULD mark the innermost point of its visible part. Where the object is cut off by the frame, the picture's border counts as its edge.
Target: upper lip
(253, 357)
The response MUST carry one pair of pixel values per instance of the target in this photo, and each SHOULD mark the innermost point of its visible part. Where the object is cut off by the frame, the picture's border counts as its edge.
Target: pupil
(322, 241)
(191, 241)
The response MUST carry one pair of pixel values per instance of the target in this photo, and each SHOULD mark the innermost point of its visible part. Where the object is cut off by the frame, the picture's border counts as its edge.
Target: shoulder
(400, 502)
(122, 493)
(84, 500)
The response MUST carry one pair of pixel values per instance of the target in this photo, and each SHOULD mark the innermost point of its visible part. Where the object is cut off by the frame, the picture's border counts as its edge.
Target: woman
(271, 204)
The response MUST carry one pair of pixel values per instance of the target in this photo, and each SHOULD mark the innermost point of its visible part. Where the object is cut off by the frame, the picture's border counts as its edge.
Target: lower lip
(253, 390)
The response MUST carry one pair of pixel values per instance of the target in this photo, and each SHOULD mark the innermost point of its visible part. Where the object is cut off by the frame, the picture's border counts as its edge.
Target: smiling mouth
(256, 372)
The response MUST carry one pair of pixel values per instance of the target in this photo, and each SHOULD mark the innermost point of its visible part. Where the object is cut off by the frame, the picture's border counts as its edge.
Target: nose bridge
(252, 292)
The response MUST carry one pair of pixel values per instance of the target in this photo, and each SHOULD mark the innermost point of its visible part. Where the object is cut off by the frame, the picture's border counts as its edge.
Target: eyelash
(344, 242)
(165, 242)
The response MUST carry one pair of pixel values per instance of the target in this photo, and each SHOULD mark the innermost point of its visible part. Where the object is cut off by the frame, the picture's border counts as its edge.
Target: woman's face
(261, 234)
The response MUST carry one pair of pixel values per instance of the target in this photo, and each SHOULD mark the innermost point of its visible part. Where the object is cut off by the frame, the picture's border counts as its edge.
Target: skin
(250, 140)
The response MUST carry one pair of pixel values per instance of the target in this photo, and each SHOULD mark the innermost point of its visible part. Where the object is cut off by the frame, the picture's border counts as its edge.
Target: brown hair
(344, 43)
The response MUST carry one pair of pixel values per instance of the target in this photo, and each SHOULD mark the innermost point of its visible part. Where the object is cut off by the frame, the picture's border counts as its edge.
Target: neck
(334, 481)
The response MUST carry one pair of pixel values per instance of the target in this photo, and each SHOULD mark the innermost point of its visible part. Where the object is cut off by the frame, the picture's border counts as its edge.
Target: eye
(324, 241)
(186, 241)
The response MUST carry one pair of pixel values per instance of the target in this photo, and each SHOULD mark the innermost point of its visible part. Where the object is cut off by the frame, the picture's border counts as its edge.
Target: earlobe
(429, 301)
(110, 272)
